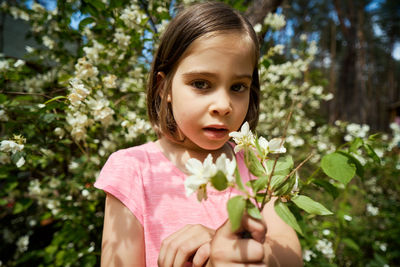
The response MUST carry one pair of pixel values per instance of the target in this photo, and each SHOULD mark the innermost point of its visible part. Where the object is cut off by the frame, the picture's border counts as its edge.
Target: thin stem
(24, 93)
(298, 167)
(309, 179)
(276, 159)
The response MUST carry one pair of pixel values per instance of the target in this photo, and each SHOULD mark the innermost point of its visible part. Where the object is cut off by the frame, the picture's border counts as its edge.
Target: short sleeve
(121, 178)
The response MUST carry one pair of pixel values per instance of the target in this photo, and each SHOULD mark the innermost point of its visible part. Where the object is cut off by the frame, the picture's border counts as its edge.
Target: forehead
(215, 48)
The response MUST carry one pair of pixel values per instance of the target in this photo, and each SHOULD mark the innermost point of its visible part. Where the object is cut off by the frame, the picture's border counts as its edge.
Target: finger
(167, 252)
(246, 250)
(202, 255)
(256, 228)
(192, 242)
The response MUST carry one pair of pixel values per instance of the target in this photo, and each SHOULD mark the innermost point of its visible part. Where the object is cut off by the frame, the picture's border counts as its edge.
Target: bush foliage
(79, 95)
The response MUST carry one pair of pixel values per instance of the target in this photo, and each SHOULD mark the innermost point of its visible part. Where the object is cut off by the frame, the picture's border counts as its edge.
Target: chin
(212, 146)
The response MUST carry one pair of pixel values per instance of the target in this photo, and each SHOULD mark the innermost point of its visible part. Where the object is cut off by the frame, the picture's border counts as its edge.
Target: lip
(216, 126)
(216, 131)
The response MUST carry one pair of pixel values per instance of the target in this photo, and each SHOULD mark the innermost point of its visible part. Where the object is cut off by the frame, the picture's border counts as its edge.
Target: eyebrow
(206, 73)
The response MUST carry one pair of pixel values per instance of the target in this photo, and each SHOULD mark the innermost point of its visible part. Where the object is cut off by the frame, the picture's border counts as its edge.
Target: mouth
(216, 131)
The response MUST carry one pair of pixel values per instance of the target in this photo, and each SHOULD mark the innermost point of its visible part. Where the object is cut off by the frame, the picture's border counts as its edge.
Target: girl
(203, 85)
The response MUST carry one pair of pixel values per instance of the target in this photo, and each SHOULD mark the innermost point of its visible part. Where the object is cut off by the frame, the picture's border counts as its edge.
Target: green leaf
(338, 167)
(351, 244)
(359, 166)
(370, 151)
(276, 181)
(98, 4)
(48, 117)
(238, 180)
(219, 181)
(10, 186)
(373, 137)
(287, 216)
(285, 187)
(330, 188)
(22, 205)
(236, 206)
(283, 165)
(260, 183)
(310, 206)
(253, 163)
(355, 144)
(252, 210)
(3, 98)
(85, 22)
(55, 98)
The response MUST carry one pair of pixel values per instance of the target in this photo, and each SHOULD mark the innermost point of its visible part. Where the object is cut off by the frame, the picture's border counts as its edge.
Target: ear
(160, 80)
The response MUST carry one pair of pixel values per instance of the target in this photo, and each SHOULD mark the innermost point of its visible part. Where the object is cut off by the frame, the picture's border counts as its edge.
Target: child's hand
(190, 241)
(232, 249)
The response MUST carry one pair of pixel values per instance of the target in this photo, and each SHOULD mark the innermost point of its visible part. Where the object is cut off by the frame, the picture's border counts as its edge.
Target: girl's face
(211, 88)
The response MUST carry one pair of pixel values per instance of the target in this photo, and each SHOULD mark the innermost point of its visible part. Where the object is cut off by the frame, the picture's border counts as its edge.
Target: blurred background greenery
(72, 91)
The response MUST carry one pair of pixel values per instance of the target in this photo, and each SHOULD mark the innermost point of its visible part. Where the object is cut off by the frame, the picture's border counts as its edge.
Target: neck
(180, 153)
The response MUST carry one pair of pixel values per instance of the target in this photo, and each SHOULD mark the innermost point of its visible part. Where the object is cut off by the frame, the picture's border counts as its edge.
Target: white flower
(4, 65)
(4, 158)
(121, 38)
(325, 247)
(226, 166)
(59, 132)
(85, 192)
(10, 146)
(303, 37)
(347, 218)
(78, 91)
(326, 232)
(274, 146)
(85, 70)
(48, 42)
(275, 21)
(19, 63)
(373, 211)
(244, 138)
(258, 28)
(20, 162)
(29, 49)
(200, 176)
(34, 187)
(308, 254)
(109, 81)
(22, 243)
(3, 115)
(279, 49)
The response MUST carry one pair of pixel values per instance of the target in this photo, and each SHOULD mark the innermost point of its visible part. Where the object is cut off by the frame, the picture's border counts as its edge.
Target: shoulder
(132, 156)
(124, 164)
(134, 152)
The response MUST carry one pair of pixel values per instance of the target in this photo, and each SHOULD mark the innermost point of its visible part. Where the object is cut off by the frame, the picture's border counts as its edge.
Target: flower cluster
(325, 247)
(245, 138)
(201, 174)
(12, 148)
(275, 21)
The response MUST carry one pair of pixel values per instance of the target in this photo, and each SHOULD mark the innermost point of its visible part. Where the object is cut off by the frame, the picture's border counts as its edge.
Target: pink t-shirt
(152, 188)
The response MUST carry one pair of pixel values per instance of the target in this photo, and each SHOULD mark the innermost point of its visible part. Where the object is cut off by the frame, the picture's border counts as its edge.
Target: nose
(221, 103)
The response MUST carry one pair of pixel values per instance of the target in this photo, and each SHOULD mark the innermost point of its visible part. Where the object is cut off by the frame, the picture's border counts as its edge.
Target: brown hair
(186, 27)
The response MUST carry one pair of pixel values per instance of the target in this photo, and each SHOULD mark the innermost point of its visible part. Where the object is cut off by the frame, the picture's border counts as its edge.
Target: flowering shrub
(79, 95)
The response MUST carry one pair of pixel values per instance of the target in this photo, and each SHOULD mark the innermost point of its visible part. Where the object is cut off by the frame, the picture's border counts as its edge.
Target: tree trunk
(259, 9)
(351, 99)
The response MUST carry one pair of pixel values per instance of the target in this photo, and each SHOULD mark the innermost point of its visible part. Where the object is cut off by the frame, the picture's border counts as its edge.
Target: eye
(200, 84)
(240, 87)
